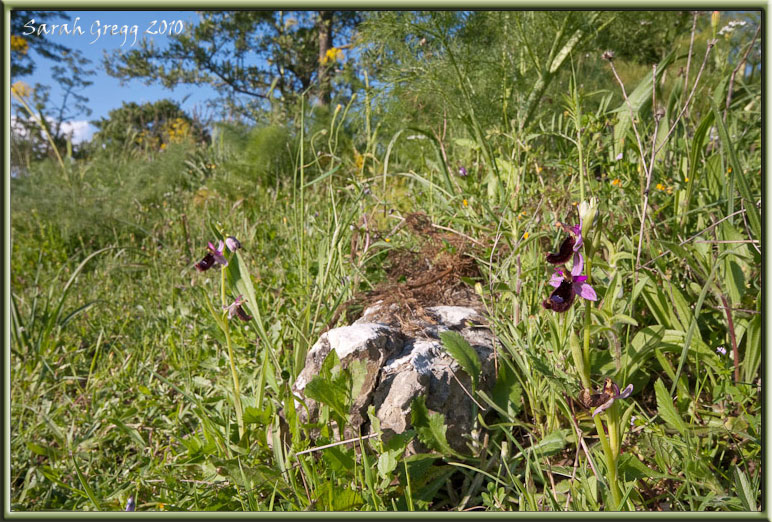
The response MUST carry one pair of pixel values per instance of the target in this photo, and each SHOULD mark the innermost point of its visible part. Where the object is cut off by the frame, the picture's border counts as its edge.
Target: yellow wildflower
(617, 182)
(466, 203)
(19, 44)
(21, 90)
(729, 170)
(660, 186)
(525, 235)
(388, 240)
(687, 180)
(333, 54)
(359, 160)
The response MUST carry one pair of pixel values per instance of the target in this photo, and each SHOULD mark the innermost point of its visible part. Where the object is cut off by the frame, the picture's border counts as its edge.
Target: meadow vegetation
(129, 379)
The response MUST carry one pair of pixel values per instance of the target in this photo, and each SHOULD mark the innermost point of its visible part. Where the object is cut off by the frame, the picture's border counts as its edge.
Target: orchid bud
(587, 212)
(232, 243)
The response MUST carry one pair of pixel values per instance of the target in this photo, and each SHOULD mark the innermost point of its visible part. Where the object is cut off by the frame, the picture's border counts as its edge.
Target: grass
(122, 365)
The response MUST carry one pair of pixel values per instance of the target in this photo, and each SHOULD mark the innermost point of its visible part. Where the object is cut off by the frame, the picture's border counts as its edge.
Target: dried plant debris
(431, 276)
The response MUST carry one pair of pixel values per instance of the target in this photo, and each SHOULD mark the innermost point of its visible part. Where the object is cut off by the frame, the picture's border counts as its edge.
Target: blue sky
(107, 93)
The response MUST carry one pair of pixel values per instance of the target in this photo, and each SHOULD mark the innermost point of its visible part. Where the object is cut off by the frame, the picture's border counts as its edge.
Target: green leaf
(697, 145)
(612, 290)
(357, 371)
(257, 416)
(680, 306)
(693, 326)
(507, 392)
(730, 269)
(430, 427)
(551, 444)
(752, 358)
(659, 305)
(623, 319)
(399, 441)
(463, 353)
(738, 174)
(339, 459)
(331, 386)
(693, 258)
(369, 478)
(466, 143)
(84, 483)
(346, 500)
(131, 432)
(246, 476)
(387, 463)
(745, 492)
(666, 409)
(440, 159)
(238, 276)
(630, 468)
(639, 98)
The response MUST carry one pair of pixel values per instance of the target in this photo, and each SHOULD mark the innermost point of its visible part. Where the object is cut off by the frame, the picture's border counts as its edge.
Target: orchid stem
(234, 375)
(587, 317)
(236, 388)
(222, 287)
(608, 444)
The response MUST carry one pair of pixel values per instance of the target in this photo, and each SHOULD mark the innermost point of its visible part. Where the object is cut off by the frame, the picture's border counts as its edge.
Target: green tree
(643, 37)
(150, 126)
(489, 67)
(255, 59)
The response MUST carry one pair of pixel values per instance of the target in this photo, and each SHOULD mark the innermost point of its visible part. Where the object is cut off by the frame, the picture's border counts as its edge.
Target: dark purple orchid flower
(603, 400)
(568, 286)
(130, 504)
(569, 245)
(236, 309)
(213, 257)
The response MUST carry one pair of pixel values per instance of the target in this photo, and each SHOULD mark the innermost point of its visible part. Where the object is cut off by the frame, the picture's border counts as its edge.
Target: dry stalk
(649, 168)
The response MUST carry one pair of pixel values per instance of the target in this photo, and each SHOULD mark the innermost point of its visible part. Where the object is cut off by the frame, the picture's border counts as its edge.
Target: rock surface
(404, 362)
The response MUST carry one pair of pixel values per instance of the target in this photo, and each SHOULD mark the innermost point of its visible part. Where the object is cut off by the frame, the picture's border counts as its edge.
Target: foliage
(23, 42)
(148, 127)
(38, 128)
(255, 59)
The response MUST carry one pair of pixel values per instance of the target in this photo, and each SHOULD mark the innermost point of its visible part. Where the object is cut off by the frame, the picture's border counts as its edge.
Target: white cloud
(79, 130)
